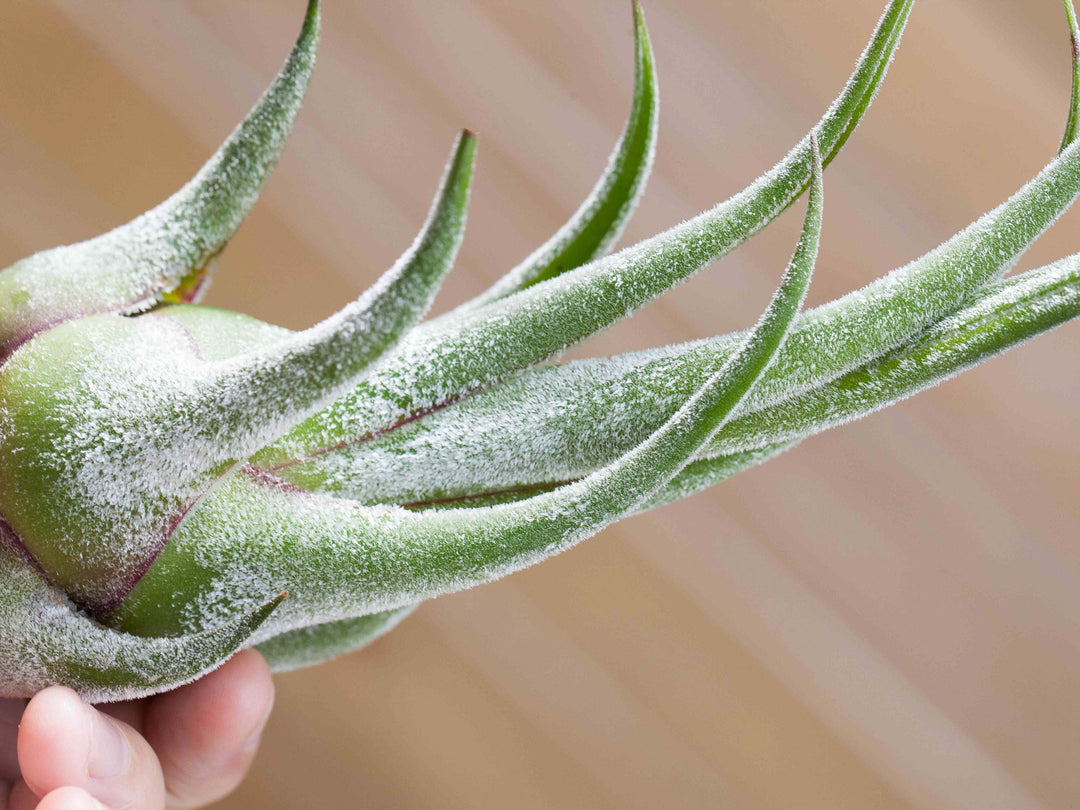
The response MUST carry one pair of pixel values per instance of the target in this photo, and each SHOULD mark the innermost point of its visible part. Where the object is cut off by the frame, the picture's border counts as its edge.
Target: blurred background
(889, 616)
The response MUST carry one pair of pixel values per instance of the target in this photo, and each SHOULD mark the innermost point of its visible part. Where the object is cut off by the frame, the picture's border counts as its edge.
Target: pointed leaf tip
(169, 248)
(1072, 123)
(504, 538)
(600, 219)
(260, 395)
(383, 558)
(439, 359)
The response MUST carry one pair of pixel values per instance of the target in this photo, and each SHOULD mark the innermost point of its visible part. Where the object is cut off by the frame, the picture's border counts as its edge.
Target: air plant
(169, 471)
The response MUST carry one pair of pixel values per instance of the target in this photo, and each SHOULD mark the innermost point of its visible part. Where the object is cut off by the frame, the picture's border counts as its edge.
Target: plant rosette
(178, 482)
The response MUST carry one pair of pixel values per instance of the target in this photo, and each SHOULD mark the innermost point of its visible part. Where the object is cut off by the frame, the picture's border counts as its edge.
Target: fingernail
(110, 753)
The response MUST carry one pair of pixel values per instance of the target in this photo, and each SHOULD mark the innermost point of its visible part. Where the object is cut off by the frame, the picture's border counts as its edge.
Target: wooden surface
(887, 617)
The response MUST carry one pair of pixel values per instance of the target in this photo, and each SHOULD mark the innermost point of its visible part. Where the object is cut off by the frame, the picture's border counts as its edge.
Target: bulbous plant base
(169, 472)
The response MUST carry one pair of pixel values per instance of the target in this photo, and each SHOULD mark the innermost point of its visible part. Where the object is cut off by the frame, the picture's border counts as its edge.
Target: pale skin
(182, 749)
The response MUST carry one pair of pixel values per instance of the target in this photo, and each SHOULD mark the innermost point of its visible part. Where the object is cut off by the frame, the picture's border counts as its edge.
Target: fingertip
(54, 740)
(206, 733)
(70, 798)
(65, 798)
(228, 706)
(66, 743)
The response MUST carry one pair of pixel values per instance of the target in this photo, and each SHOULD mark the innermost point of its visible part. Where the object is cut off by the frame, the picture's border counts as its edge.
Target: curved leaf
(342, 560)
(307, 646)
(1072, 123)
(46, 641)
(570, 420)
(112, 427)
(574, 422)
(166, 249)
(599, 220)
(441, 362)
(255, 397)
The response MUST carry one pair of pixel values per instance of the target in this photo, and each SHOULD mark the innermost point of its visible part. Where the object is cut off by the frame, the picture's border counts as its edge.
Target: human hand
(181, 749)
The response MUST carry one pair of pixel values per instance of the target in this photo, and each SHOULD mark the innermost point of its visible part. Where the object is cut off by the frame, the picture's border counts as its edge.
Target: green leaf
(307, 646)
(1006, 315)
(166, 249)
(569, 420)
(341, 560)
(256, 397)
(443, 361)
(1072, 124)
(596, 225)
(572, 413)
(46, 641)
(704, 473)
(111, 427)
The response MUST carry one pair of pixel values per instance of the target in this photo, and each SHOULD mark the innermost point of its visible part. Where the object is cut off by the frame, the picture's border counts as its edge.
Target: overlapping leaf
(45, 640)
(343, 560)
(570, 419)
(452, 357)
(104, 456)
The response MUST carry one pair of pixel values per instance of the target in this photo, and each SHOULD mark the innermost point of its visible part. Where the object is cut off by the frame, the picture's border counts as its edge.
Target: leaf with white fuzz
(566, 419)
(167, 249)
(570, 420)
(105, 456)
(449, 358)
(307, 646)
(260, 395)
(45, 640)
(597, 223)
(338, 556)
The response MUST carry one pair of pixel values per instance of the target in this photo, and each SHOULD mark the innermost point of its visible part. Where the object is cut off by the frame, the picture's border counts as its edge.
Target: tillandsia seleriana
(169, 471)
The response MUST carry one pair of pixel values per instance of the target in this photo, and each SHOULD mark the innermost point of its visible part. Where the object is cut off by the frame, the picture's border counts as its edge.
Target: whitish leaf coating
(130, 425)
(137, 487)
(45, 640)
(585, 414)
(443, 361)
(257, 396)
(307, 646)
(597, 223)
(569, 420)
(166, 249)
(342, 559)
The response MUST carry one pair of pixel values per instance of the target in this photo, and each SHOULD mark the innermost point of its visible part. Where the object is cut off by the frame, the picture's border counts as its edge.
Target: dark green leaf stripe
(1072, 123)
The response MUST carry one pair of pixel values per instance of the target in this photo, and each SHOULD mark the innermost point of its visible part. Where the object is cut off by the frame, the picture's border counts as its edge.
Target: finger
(206, 733)
(64, 742)
(70, 798)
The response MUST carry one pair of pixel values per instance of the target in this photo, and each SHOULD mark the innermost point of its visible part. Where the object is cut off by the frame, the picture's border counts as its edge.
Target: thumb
(64, 742)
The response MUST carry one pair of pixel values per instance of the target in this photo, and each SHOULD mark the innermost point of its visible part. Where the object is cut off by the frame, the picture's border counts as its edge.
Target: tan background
(887, 617)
